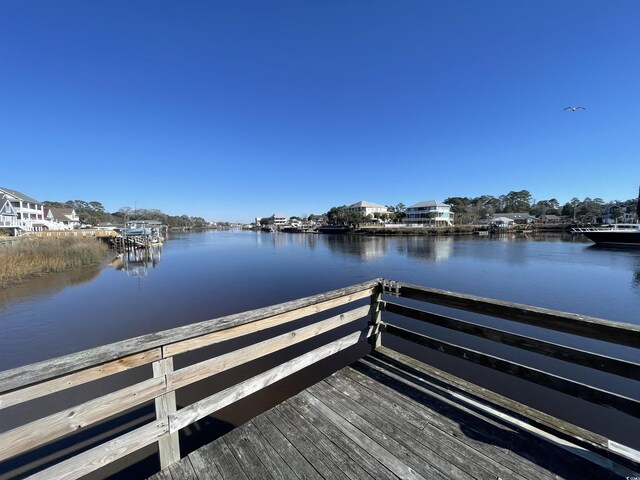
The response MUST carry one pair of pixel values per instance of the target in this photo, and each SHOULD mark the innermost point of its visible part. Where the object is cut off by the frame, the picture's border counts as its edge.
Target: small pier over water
(386, 415)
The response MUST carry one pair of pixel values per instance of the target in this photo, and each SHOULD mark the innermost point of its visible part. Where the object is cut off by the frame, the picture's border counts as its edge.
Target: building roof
(365, 204)
(3, 201)
(502, 220)
(18, 195)
(514, 216)
(429, 203)
(62, 213)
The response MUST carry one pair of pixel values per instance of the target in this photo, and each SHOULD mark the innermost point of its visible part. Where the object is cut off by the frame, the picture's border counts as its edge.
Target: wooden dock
(385, 416)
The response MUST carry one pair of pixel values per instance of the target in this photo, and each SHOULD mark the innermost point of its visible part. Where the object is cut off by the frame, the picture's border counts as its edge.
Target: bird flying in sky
(573, 109)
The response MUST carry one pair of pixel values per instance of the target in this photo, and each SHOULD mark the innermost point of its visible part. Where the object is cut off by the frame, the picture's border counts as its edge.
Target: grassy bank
(38, 256)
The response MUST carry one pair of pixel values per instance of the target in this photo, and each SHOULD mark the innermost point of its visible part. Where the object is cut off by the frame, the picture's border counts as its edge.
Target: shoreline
(34, 257)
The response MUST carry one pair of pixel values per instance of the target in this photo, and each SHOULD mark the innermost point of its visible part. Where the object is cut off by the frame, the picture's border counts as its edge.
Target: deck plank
(380, 419)
(485, 437)
(528, 450)
(355, 452)
(240, 445)
(388, 435)
(299, 465)
(326, 447)
(442, 448)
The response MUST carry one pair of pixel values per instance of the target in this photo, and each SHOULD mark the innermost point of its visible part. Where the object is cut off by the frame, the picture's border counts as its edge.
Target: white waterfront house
(367, 209)
(24, 214)
(62, 218)
(429, 212)
(279, 219)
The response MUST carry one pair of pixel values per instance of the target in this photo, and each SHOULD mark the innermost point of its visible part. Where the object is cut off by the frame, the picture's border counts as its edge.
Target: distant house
(8, 216)
(429, 212)
(518, 218)
(67, 218)
(29, 213)
(502, 222)
(544, 218)
(619, 214)
(279, 219)
(367, 209)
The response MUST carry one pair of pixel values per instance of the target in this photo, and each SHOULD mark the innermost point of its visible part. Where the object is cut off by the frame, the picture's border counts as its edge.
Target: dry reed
(38, 256)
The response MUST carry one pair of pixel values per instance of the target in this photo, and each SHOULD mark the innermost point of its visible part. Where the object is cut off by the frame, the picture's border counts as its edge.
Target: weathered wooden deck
(386, 416)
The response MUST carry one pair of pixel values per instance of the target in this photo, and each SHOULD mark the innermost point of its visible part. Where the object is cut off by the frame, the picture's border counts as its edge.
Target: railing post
(376, 317)
(169, 445)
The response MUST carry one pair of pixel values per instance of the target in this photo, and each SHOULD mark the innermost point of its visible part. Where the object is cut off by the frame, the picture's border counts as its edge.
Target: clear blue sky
(234, 109)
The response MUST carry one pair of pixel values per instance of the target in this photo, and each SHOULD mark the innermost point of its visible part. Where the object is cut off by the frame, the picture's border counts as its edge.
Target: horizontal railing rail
(159, 350)
(612, 332)
(30, 382)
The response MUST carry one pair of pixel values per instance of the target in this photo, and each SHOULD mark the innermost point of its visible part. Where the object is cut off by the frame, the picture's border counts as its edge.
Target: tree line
(93, 213)
(470, 210)
(589, 210)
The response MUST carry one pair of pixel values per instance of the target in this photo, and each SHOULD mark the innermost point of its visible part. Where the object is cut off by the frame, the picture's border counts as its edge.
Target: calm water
(199, 276)
(207, 275)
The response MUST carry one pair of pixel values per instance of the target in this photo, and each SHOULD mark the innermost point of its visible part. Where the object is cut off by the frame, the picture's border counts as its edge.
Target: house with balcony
(429, 212)
(279, 219)
(367, 209)
(29, 213)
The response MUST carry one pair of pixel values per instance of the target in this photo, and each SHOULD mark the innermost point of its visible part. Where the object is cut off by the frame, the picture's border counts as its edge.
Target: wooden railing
(27, 383)
(617, 333)
(40, 380)
(83, 232)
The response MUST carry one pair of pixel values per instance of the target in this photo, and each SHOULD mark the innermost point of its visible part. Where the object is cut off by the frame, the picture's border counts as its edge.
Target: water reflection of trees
(47, 284)
(281, 239)
(365, 248)
(431, 249)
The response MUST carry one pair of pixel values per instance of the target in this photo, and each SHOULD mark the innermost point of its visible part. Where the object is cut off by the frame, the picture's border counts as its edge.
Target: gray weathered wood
(269, 456)
(355, 453)
(376, 317)
(285, 449)
(207, 406)
(323, 444)
(322, 464)
(38, 372)
(78, 378)
(580, 357)
(423, 380)
(242, 449)
(447, 449)
(388, 434)
(205, 464)
(183, 470)
(364, 439)
(591, 394)
(168, 446)
(97, 457)
(583, 325)
(264, 324)
(207, 368)
(39, 432)
(433, 413)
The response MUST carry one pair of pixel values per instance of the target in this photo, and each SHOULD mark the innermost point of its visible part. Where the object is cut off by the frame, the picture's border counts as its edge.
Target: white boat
(621, 234)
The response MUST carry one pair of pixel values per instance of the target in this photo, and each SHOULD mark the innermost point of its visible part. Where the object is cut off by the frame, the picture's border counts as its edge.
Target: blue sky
(234, 109)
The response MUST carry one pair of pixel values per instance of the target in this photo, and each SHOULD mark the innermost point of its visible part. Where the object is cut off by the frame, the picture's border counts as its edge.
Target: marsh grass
(39, 256)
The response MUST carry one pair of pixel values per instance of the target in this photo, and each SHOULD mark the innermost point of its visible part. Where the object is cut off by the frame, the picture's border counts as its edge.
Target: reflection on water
(437, 249)
(136, 262)
(211, 274)
(46, 285)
